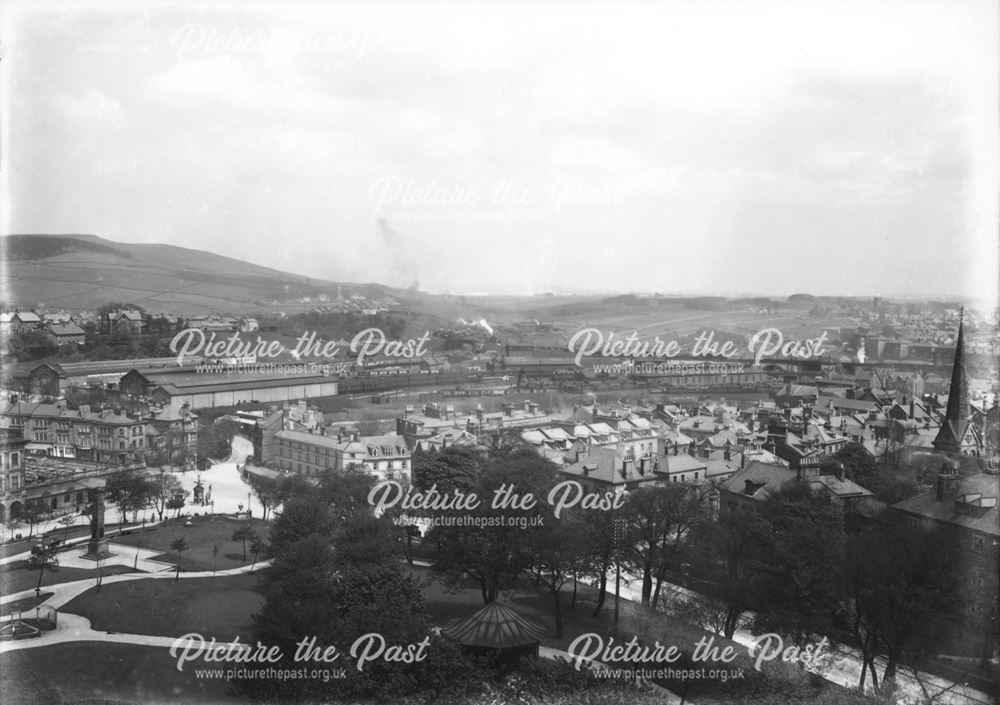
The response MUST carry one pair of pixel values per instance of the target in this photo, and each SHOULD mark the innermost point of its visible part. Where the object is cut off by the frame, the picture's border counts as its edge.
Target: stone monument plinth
(97, 546)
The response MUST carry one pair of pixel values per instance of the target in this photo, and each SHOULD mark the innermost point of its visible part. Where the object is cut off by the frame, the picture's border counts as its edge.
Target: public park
(111, 597)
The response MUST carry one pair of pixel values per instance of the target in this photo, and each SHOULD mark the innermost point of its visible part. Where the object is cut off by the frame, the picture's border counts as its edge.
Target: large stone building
(12, 445)
(965, 510)
(311, 454)
(176, 387)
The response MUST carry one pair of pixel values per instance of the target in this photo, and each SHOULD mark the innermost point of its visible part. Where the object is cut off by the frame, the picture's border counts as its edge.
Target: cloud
(695, 134)
(90, 109)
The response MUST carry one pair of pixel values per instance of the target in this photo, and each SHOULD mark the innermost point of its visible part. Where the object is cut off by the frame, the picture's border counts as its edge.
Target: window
(978, 544)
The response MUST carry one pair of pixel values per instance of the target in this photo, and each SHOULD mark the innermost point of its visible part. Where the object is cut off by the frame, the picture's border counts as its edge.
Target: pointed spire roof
(956, 417)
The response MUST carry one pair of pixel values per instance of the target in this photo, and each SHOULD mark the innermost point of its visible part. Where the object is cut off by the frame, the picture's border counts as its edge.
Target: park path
(64, 592)
(73, 627)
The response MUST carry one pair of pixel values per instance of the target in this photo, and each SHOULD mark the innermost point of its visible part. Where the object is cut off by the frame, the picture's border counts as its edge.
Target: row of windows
(309, 468)
(683, 477)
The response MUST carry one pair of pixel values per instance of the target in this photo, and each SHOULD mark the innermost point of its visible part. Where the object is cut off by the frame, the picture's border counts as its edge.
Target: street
(228, 492)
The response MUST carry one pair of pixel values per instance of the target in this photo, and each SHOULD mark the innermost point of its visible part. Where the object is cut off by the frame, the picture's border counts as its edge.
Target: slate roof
(70, 329)
(682, 462)
(841, 488)
(606, 466)
(765, 480)
(983, 484)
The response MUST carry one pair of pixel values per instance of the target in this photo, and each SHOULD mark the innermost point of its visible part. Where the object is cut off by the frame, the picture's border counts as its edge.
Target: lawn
(206, 532)
(25, 605)
(97, 673)
(214, 607)
(15, 577)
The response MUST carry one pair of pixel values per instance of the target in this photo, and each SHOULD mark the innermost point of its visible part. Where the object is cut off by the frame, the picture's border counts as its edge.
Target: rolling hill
(76, 272)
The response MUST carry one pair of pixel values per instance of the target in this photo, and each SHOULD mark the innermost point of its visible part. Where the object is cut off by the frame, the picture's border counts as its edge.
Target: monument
(97, 546)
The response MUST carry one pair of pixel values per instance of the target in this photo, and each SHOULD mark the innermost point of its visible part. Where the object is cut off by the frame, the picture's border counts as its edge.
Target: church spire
(956, 417)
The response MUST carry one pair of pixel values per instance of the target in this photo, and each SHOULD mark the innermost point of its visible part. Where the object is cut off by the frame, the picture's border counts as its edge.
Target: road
(843, 666)
(227, 487)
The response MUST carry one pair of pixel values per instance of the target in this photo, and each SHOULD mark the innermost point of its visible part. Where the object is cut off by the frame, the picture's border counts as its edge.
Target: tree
(368, 427)
(368, 540)
(599, 540)
(659, 518)
(346, 493)
(33, 514)
(31, 345)
(128, 490)
(215, 556)
(319, 588)
(504, 442)
(267, 491)
(725, 556)
(162, 488)
(243, 533)
(303, 516)
(558, 551)
(256, 548)
(179, 545)
(215, 439)
(494, 553)
(42, 557)
(897, 578)
(800, 581)
(859, 464)
(453, 468)
(176, 502)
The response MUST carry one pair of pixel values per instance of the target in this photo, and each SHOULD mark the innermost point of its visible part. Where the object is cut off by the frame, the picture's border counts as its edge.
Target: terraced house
(106, 436)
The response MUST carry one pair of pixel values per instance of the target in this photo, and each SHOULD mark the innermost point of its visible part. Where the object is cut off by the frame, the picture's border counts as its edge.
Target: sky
(717, 146)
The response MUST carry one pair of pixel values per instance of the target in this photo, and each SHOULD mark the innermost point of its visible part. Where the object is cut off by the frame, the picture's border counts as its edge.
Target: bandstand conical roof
(495, 627)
